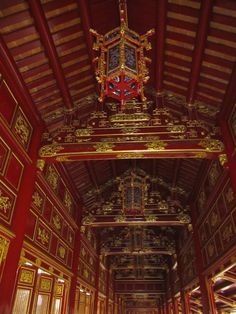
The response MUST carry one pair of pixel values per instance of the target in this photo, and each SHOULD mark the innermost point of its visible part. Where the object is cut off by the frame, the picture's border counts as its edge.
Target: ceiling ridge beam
(206, 11)
(16, 83)
(160, 43)
(46, 37)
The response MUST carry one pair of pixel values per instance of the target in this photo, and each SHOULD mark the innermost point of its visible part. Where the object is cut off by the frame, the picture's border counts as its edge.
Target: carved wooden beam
(44, 31)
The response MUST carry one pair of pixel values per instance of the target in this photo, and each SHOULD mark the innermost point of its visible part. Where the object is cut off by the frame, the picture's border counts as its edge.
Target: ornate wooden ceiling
(46, 56)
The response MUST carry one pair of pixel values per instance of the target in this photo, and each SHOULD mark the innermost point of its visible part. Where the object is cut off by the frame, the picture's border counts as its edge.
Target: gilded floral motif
(104, 147)
(68, 200)
(213, 174)
(61, 251)
(22, 129)
(27, 276)
(43, 236)
(45, 284)
(211, 249)
(5, 202)
(56, 222)
(229, 195)
(37, 199)
(52, 178)
(227, 233)
(156, 146)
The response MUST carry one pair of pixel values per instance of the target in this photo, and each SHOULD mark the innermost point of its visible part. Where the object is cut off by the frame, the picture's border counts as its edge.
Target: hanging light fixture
(121, 65)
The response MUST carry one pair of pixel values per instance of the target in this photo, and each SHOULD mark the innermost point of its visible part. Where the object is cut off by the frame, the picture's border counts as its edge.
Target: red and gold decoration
(121, 66)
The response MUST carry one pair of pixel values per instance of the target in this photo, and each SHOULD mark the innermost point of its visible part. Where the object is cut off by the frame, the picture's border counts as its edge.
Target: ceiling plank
(160, 43)
(44, 31)
(204, 20)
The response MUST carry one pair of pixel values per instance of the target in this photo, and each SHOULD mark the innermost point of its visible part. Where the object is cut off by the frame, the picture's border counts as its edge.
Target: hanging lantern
(121, 66)
(133, 188)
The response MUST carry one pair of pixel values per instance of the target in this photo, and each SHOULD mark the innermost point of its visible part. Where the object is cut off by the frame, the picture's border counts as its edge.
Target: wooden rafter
(200, 41)
(47, 40)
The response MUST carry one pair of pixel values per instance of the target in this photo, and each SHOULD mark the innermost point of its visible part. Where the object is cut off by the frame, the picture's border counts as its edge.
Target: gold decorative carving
(104, 147)
(214, 219)
(22, 129)
(228, 233)
(151, 218)
(123, 117)
(45, 284)
(211, 249)
(50, 150)
(120, 218)
(223, 159)
(213, 174)
(229, 195)
(67, 200)
(82, 229)
(4, 244)
(129, 156)
(5, 202)
(86, 273)
(37, 199)
(52, 177)
(56, 222)
(212, 145)
(200, 155)
(83, 132)
(130, 130)
(184, 218)
(40, 164)
(27, 276)
(59, 289)
(88, 220)
(43, 236)
(156, 146)
(61, 251)
(62, 158)
(177, 129)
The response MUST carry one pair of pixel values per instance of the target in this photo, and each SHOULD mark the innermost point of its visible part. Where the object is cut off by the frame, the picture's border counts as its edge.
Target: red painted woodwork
(21, 211)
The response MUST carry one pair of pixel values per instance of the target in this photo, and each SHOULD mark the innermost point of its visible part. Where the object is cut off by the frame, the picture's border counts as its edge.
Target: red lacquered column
(19, 221)
(75, 265)
(96, 285)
